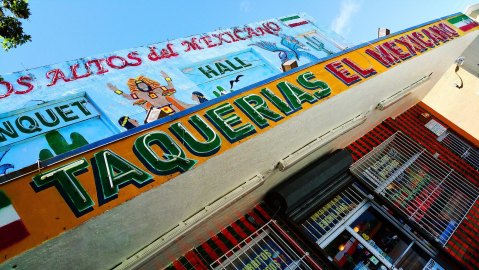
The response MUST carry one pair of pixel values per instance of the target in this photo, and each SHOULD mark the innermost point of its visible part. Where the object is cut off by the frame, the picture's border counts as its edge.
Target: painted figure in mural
(5, 167)
(127, 122)
(294, 49)
(198, 97)
(151, 95)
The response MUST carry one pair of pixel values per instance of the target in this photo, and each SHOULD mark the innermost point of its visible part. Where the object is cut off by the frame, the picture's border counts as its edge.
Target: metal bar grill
(333, 213)
(460, 147)
(427, 190)
(263, 249)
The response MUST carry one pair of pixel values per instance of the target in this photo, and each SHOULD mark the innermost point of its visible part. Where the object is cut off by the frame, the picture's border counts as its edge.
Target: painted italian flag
(463, 22)
(293, 21)
(12, 229)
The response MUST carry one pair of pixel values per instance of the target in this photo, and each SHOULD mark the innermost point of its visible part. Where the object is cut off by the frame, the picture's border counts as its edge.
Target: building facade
(266, 146)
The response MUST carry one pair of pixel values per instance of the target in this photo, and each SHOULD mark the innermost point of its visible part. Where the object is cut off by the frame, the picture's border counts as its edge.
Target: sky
(66, 30)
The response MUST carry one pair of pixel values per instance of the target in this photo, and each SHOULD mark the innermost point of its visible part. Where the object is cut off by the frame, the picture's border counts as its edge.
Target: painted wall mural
(78, 188)
(128, 88)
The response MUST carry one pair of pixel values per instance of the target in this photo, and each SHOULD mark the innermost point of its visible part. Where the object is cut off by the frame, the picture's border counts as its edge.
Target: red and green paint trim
(294, 21)
(463, 22)
(12, 228)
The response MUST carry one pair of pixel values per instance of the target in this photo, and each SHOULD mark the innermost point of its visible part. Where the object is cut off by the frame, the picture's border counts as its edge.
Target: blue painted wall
(127, 88)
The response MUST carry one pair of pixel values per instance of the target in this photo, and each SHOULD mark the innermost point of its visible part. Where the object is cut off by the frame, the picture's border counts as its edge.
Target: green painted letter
(175, 158)
(63, 178)
(280, 104)
(212, 141)
(226, 124)
(114, 172)
(305, 80)
(294, 95)
(256, 108)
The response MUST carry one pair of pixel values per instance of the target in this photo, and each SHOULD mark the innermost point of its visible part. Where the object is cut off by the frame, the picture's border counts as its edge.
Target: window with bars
(428, 191)
(332, 214)
(370, 240)
(460, 147)
(264, 249)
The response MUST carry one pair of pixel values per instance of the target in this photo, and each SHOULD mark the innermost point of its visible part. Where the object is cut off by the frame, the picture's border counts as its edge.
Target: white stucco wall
(460, 106)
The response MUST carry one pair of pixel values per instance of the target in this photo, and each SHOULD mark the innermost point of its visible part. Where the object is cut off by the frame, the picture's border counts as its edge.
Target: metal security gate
(335, 212)
(264, 249)
(433, 195)
(463, 149)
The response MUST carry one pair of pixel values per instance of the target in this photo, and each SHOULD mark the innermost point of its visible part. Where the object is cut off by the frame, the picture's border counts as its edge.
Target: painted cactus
(59, 145)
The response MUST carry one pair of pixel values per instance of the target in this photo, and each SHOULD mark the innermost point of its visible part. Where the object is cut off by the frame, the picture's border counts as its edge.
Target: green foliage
(11, 30)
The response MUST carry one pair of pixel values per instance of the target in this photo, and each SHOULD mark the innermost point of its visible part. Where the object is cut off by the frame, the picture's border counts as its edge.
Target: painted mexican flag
(12, 229)
(293, 21)
(463, 22)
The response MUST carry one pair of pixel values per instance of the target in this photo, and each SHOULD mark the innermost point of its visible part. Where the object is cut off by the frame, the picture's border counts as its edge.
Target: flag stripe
(460, 24)
(463, 22)
(297, 24)
(8, 215)
(289, 18)
(468, 27)
(295, 21)
(12, 233)
(458, 19)
(4, 200)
